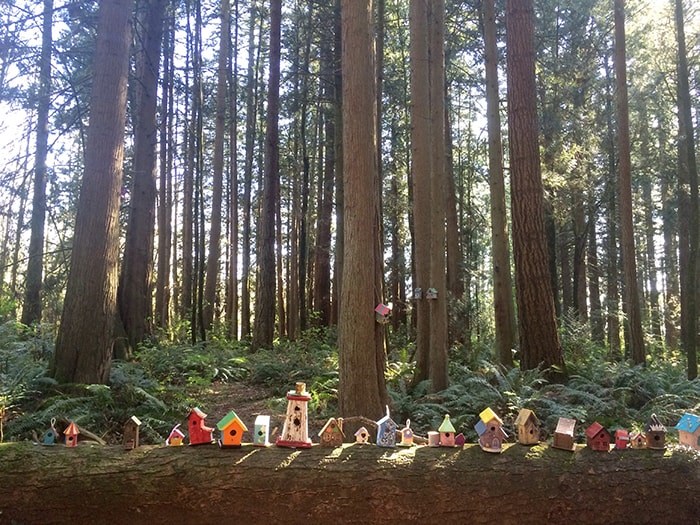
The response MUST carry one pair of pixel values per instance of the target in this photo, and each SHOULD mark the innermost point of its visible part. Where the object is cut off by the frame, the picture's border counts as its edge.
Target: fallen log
(350, 484)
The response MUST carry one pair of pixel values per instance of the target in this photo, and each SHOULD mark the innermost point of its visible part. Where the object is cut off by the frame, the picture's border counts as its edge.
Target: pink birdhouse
(71, 432)
(200, 434)
(383, 312)
(176, 437)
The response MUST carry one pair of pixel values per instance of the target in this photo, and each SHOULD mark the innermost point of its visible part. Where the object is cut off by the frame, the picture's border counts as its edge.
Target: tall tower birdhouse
(295, 433)
(131, 433)
(71, 433)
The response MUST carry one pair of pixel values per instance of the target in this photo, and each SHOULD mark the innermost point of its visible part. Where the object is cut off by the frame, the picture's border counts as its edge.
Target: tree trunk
(597, 321)
(264, 327)
(84, 342)
(31, 309)
(355, 483)
(504, 310)
(539, 339)
(360, 338)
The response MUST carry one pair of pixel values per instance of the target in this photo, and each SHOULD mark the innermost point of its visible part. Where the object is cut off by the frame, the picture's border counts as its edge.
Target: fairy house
(261, 431)
(130, 439)
(528, 427)
(406, 435)
(598, 438)
(200, 433)
(638, 440)
(490, 431)
(332, 435)
(622, 439)
(386, 431)
(689, 430)
(564, 434)
(176, 437)
(71, 433)
(231, 429)
(655, 433)
(295, 433)
(447, 432)
(362, 435)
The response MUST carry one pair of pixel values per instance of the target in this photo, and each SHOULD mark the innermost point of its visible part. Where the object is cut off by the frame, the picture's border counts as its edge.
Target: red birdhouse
(597, 437)
(200, 434)
(622, 439)
(383, 312)
(71, 433)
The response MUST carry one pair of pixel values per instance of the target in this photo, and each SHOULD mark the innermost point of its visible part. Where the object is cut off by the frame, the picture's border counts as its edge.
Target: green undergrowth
(164, 379)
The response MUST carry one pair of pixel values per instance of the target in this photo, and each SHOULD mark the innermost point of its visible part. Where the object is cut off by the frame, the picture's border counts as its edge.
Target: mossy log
(350, 484)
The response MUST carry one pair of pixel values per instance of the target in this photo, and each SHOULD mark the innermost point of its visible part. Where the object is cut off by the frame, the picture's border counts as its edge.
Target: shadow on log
(352, 484)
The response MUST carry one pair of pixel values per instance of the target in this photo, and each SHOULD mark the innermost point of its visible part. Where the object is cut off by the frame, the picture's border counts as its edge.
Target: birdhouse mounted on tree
(447, 432)
(689, 430)
(655, 433)
(528, 427)
(490, 431)
(131, 433)
(431, 293)
(261, 431)
(386, 431)
(50, 437)
(598, 438)
(71, 433)
(332, 435)
(406, 435)
(362, 436)
(382, 313)
(417, 294)
(564, 434)
(200, 434)
(295, 433)
(231, 429)
(176, 438)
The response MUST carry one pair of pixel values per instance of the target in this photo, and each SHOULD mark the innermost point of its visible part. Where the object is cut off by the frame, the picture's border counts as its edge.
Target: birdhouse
(176, 437)
(231, 429)
(295, 433)
(382, 313)
(447, 432)
(622, 439)
(386, 431)
(131, 433)
(564, 434)
(528, 427)
(200, 434)
(689, 431)
(638, 440)
(490, 431)
(50, 437)
(261, 431)
(431, 293)
(655, 433)
(406, 435)
(332, 435)
(598, 438)
(418, 294)
(460, 440)
(71, 432)
(362, 435)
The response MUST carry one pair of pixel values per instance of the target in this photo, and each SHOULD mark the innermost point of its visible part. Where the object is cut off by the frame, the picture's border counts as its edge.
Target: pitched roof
(334, 425)
(487, 415)
(524, 415)
(72, 429)
(688, 423)
(595, 429)
(446, 425)
(135, 420)
(197, 412)
(229, 419)
(655, 424)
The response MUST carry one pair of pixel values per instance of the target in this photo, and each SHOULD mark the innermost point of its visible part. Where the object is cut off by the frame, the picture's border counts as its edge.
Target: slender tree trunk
(339, 170)
(631, 291)
(84, 342)
(539, 339)
(594, 273)
(265, 290)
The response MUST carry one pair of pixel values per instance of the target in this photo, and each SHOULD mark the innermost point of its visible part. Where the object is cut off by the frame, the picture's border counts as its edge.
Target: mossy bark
(352, 484)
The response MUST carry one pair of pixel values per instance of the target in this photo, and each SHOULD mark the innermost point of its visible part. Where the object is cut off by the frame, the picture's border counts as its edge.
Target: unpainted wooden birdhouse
(655, 433)
(200, 433)
(261, 431)
(332, 435)
(622, 439)
(447, 432)
(490, 431)
(528, 427)
(176, 438)
(431, 293)
(598, 438)
(382, 313)
(71, 433)
(386, 431)
(638, 440)
(689, 430)
(131, 433)
(50, 437)
(231, 429)
(406, 435)
(564, 434)
(362, 435)
(295, 433)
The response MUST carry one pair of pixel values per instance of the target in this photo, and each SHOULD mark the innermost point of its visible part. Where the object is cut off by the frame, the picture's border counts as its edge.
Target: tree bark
(355, 483)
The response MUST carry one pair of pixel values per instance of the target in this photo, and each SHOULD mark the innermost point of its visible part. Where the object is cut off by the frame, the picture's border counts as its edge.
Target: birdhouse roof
(688, 423)
(655, 425)
(622, 433)
(526, 415)
(196, 412)
(382, 309)
(487, 415)
(446, 425)
(361, 430)
(565, 426)
(332, 425)
(72, 429)
(262, 420)
(231, 419)
(595, 429)
(136, 421)
(176, 432)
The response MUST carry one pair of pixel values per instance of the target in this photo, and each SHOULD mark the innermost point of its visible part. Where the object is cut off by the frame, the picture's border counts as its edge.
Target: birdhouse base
(202, 443)
(293, 444)
(491, 450)
(221, 445)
